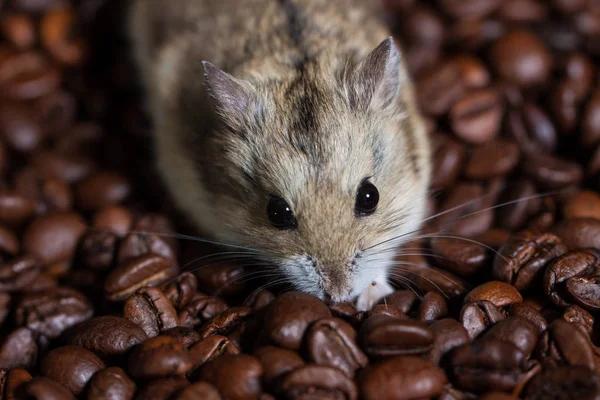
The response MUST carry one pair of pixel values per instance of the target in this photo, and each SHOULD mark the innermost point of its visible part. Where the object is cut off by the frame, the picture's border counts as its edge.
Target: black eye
(280, 214)
(367, 198)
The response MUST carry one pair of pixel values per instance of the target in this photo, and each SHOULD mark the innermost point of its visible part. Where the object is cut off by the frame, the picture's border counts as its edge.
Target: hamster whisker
(436, 235)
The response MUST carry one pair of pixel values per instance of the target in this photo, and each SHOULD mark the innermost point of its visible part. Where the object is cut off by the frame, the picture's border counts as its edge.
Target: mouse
(288, 128)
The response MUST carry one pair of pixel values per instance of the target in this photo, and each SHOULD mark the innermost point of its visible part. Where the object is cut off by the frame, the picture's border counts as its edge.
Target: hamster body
(288, 127)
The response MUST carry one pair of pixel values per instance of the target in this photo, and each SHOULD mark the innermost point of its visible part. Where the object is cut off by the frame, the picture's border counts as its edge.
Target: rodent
(289, 127)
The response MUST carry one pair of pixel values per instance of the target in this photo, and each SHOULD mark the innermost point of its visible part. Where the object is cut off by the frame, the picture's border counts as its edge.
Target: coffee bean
(524, 256)
(162, 388)
(585, 291)
(4, 306)
(440, 87)
(448, 334)
(115, 218)
(580, 318)
(289, 316)
(469, 8)
(521, 58)
(48, 192)
(225, 322)
(522, 11)
(223, 279)
(40, 388)
(432, 280)
(516, 330)
(584, 204)
(15, 209)
(151, 310)
(519, 202)
(495, 158)
(579, 233)
(111, 383)
(200, 309)
(139, 243)
(473, 71)
(591, 122)
(498, 293)
(53, 311)
(29, 78)
(237, 377)
(262, 298)
(101, 190)
(98, 249)
(57, 38)
(14, 383)
(386, 310)
(159, 357)
(565, 383)
(145, 270)
(325, 382)
(476, 317)
(422, 26)
(382, 336)
(186, 336)
(564, 344)
(107, 335)
(568, 266)
(19, 350)
(181, 290)
(528, 312)
(18, 29)
(550, 172)
(476, 117)
(332, 342)
(71, 366)
(418, 379)
(198, 390)
(20, 127)
(564, 104)
(18, 273)
(70, 167)
(276, 363)
(448, 159)
(459, 256)
(208, 349)
(433, 306)
(56, 111)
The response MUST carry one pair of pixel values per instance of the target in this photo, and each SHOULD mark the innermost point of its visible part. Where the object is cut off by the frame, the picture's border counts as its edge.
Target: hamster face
(323, 174)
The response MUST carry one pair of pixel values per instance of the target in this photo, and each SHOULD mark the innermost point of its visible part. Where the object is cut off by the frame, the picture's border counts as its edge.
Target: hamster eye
(280, 214)
(367, 198)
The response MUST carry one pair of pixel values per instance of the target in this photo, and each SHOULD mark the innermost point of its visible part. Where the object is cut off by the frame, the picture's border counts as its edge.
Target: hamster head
(322, 173)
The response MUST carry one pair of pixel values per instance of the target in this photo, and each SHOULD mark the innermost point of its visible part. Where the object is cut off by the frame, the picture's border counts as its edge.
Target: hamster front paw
(371, 296)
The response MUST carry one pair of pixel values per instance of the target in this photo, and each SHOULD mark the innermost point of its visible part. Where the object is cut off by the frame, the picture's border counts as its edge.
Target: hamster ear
(228, 94)
(378, 78)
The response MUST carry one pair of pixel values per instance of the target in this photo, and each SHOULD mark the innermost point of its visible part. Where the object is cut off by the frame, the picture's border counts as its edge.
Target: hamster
(288, 127)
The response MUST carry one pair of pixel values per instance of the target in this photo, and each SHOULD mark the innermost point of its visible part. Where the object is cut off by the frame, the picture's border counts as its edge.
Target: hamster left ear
(377, 80)
(228, 94)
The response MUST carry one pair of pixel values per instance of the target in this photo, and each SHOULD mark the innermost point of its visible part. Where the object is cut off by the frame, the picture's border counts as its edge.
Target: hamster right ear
(229, 95)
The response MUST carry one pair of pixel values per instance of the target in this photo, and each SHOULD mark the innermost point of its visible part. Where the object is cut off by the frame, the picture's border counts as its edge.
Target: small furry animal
(288, 127)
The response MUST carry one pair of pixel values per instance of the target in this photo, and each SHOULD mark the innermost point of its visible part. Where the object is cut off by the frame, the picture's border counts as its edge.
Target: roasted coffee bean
(521, 58)
(18, 29)
(48, 192)
(200, 309)
(476, 317)
(19, 349)
(522, 11)
(418, 379)
(459, 256)
(159, 357)
(564, 344)
(262, 298)
(116, 219)
(440, 87)
(574, 264)
(432, 307)
(579, 233)
(591, 123)
(332, 342)
(210, 348)
(145, 270)
(14, 383)
(141, 242)
(276, 363)
(52, 311)
(516, 330)
(498, 293)
(382, 336)
(530, 313)
(111, 383)
(476, 117)
(422, 26)
(71, 366)
(54, 237)
(56, 111)
(20, 127)
(15, 209)
(585, 291)
(181, 290)
(107, 335)
(29, 78)
(584, 204)
(448, 334)
(322, 382)
(199, 390)
(4, 306)
(564, 383)
(56, 36)
(162, 388)
(18, 273)
(403, 300)
(469, 8)
(524, 256)
(186, 336)
(289, 315)
(151, 310)
(449, 155)
(237, 377)
(98, 249)
(101, 190)
(552, 173)
(223, 279)
(40, 388)
(225, 322)
(70, 167)
(564, 105)
(386, 310)
(488, 364)
(473, 71)
(580, 318)
(519, 202)
(496, 158)
(431, 280)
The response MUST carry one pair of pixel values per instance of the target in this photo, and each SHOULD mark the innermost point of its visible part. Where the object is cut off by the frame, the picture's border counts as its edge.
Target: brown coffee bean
(579, 71)
(448, 159)
(528, 312)
(15, 209)
(448, 334)
(492, 159)
(459, 256)
(473, 71)
(580, 318)
(524, 256)
(476, 117)
(564, 104)
(53, 237)
(386, 310)
(115, 218)
(289, 315)
(276, 363)
(198, 390)
(53, 311)
(4, 306)
(221, 279)
(584, 204)
(422, 26)
(324, 382)
(564, 383)
(262, 298)
(516, 330)
(101, 190)
(200, 309)
(418, 379)
(208, 349)
(20, 127)
(18, 273)
(18, 29)
(431, 280)
(141, 242)
(476, 317)
(145, 270)
(488, 364)
(111, 383)
(579, 233)
(107, 335)
(181, 290)
(440, 87)
(551, 173)
(564, 344)
(518, 202)
(49, 193)
(521, 58)
(71, 366)
(98, 249)
(591, 122)
(382, 336)
(469, 8)
(403, 300)
(19, 350)
(225, 322)
(56, 36)
(70, 167)
(568, 266)
(585, 291)
(159, 357)
(29, 78)
(498, 293)
(433, 306)
(522, 11)
(162, 389)
(332, 342)
(56, 111)
(15, 381)
(40, 388)
(151, 310)
(186, 336)
(158, 225)
(237, 377)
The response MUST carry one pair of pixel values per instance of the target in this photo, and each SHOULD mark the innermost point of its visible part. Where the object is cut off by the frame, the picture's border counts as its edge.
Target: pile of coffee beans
(102, 297)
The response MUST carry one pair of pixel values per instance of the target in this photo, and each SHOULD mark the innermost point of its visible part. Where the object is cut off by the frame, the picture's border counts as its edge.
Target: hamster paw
(375, 292)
